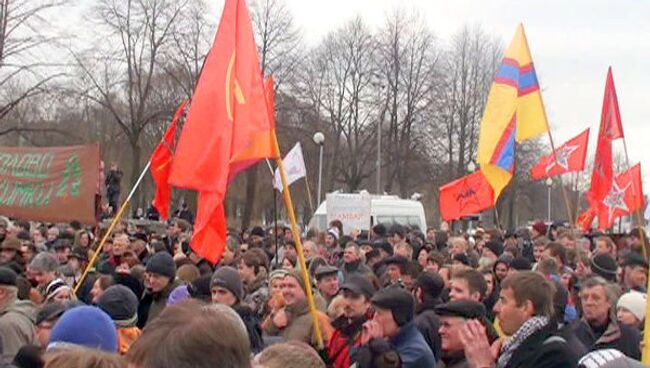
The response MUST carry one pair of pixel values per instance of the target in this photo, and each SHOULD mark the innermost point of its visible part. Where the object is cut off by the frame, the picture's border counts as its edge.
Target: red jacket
(345, 340)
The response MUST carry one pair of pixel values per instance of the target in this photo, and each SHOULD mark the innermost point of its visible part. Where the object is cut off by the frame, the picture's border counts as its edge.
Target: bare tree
(25, 67)
(123, 72)
(338, 83)
(408, 63)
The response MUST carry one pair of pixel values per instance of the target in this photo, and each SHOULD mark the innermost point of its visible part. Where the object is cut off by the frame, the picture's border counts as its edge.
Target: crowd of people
(394, 296)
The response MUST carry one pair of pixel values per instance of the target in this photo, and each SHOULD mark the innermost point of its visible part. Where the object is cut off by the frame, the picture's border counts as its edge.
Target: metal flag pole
(564, 193)
(114, 223)
(638, 210)
(275, 212)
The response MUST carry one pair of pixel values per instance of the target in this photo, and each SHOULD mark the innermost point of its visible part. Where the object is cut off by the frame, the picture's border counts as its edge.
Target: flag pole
(578, 198)
(301, 255)
(116, 220)
(638, 210)
(275, 212)
(311, 204)
(564, 193)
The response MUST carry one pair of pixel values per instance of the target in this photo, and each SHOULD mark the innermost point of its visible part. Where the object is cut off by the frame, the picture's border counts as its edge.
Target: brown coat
(300, 327)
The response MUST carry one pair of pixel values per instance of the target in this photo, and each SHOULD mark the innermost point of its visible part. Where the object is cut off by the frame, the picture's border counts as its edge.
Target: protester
(525, 311)
(453, 317)
(428, 287)
(17, 317)
(293, 321)
(228, 289)
(327, 282)
(598, 328)
(84, 326)
(121, 305)
(293, 354)
(346, 338)
(631, 309)
(159, 280)
(191, 334)
(393, 321)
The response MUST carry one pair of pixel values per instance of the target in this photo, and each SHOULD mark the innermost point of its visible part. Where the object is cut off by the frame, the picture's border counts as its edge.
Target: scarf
(528, 328)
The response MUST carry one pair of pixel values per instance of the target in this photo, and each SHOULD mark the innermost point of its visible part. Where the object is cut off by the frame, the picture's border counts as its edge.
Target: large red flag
(610, 128)
(625, 197)
(470, 194)
(227, 114)
(161, 163)
(569, 157)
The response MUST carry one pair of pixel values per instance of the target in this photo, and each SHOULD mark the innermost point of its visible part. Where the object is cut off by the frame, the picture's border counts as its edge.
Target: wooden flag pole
(116, 220)
(564, 193)
(301, 255)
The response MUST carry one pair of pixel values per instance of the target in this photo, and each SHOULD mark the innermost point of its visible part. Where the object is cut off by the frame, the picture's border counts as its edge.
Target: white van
(386, 209)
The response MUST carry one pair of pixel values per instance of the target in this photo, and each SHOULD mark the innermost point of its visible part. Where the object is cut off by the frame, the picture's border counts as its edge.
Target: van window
(402, 220)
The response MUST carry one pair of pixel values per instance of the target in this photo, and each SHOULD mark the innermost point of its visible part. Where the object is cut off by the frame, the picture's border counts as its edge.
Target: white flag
(294, 165)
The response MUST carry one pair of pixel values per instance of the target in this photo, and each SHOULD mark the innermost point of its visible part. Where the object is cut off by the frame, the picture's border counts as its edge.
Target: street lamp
(319, 139)
(471, 166)
(549, 184)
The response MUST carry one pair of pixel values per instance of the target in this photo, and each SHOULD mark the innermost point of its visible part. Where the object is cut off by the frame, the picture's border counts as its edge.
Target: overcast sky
(572, 42)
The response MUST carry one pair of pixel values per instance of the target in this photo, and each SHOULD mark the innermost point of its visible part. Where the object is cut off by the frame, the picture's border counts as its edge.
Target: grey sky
(572, 42)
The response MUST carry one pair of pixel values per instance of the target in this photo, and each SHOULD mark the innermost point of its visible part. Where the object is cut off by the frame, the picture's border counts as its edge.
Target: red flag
(228, 106)
(569, 157)
(610, 128)
(586, 219)
(625, 197)
(222, 131)
(470, 194)
(161, 163)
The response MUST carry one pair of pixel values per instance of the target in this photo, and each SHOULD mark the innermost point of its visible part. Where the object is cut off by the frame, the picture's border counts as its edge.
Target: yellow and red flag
(514, 113)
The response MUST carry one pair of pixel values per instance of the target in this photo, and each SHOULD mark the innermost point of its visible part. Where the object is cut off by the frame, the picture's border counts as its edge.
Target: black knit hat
(228, 278)
(119, 302)
(258, 231)
(383, 245)
(200, 288)
(634, 259)
(162, 263)
(7, 276)
(462, 258)
(605, 266)
(399, 301)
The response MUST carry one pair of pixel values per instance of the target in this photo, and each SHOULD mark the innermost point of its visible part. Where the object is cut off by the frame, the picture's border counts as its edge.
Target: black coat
(617, 336)
(544, 349)
(428, 323)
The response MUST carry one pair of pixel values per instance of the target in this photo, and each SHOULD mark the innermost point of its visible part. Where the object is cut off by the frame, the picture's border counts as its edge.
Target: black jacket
(428, 323)
(253, 327)
(616, 336)
(544, 349)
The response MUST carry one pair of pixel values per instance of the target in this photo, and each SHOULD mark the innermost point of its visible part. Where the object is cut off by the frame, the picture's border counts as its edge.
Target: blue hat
(86, 326)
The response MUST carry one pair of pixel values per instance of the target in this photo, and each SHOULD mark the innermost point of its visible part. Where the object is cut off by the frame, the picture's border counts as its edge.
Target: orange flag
(161, 163)
(465, 196)
(225, 128)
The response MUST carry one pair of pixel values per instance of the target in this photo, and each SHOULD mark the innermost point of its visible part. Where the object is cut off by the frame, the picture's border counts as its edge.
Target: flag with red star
(465, 196)
(625, 197)
(569, 157)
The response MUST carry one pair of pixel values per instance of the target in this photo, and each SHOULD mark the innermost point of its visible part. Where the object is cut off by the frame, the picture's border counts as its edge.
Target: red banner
(470, 194)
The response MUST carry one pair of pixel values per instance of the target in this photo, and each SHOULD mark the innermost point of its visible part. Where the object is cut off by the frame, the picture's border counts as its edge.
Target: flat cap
(468, 309)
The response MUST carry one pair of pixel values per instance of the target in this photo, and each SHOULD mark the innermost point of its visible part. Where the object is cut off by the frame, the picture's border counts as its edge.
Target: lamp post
(471, 166)
(549, 184)
(319, 139)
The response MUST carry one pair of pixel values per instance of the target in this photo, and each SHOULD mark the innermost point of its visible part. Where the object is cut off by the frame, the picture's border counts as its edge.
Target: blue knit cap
(86, 326)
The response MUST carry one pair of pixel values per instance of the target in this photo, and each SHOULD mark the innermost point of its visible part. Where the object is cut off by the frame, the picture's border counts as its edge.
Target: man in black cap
(159, 281)
(635, 272)
(346, 338)
(393, 320)
(16, 317)
(453, 316)
(327, 282)
(10, 255)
